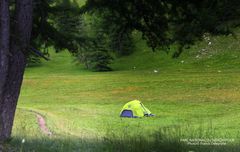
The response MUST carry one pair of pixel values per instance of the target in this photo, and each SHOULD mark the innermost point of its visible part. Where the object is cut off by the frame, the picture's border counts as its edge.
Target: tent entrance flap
(127, 113)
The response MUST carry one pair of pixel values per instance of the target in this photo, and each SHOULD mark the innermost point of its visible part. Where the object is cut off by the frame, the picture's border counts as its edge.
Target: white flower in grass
(209, 43)
(23, 141)
(155, 71)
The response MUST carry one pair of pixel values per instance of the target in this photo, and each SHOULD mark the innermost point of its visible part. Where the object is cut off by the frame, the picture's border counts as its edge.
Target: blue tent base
(129, 114)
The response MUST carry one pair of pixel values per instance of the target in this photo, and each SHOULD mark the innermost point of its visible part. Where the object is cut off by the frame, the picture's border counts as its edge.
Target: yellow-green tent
(134, 109)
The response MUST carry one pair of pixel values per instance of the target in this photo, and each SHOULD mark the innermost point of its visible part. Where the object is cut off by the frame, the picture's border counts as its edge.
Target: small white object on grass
(209, 43)
(155, 71)
(23, 141)
(182, 61)
(49, 133)
(219, 71)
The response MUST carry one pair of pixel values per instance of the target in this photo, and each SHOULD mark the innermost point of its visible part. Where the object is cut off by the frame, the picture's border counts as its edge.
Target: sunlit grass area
(199, 95)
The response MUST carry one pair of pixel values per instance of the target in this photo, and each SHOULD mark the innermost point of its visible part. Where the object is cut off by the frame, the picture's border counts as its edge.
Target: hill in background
(214, 53)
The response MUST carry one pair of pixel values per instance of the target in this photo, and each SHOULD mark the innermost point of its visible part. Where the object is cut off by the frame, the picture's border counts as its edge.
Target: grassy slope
(82, 105)
(223, 53)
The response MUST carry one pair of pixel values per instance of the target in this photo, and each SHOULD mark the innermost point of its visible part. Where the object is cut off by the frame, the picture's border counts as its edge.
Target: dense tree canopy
(63, 24)
(166, 22)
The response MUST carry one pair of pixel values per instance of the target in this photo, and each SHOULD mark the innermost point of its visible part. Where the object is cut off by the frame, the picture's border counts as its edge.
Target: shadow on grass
(163, 140)
(34, 65)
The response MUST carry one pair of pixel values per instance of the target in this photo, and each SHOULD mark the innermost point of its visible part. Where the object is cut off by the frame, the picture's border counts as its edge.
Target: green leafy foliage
(122, 43)
(56, 23)
(60, 24)
(104, 41)
(171, 22)
(95, 57)
(65, 25)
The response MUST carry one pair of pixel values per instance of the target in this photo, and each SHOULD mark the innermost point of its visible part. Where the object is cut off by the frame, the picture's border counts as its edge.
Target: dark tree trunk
(16, 65)
(4, 42)
(11, 93)
(4, 52)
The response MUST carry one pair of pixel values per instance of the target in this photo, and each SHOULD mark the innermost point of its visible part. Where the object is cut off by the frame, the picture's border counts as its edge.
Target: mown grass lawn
(82, 108)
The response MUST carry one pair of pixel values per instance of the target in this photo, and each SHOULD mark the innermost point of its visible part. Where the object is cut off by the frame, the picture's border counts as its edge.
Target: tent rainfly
(135, 109)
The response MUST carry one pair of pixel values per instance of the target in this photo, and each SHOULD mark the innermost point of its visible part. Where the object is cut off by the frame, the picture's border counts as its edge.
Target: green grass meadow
(194, 96)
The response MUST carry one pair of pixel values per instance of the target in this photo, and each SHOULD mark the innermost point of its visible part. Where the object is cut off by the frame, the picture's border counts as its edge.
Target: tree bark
(16, 66)
(4, 41)
(4, 50)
